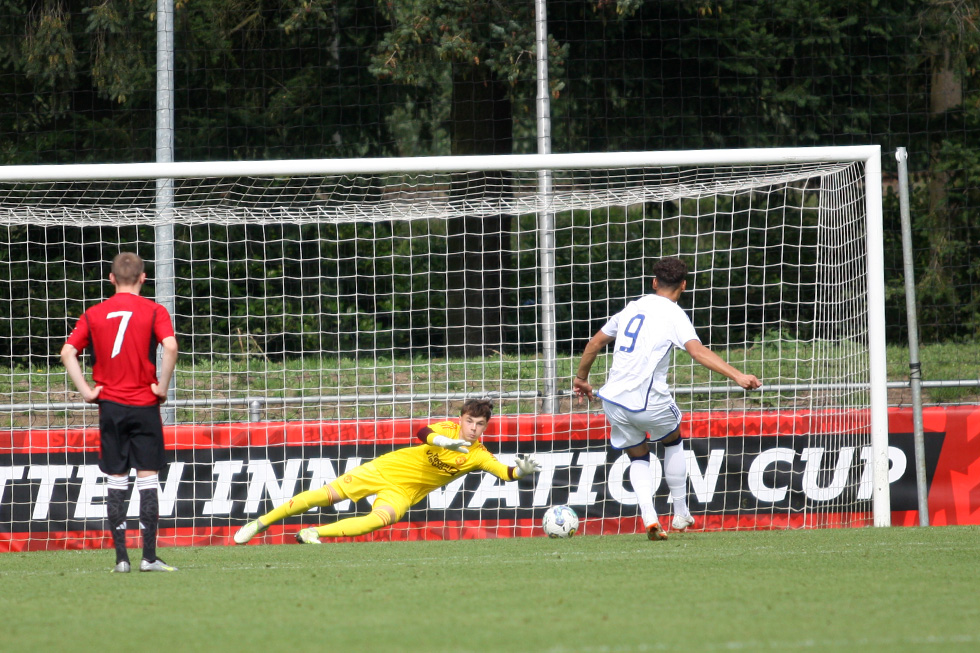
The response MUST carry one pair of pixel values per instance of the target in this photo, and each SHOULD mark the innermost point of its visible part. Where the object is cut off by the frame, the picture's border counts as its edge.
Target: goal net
(326, 310)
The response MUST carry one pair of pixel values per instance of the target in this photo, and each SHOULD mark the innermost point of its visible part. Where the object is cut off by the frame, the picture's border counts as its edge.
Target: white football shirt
(646, 331)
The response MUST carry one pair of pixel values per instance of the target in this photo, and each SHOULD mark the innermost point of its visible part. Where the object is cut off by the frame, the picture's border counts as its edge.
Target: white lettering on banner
(14, 473)
(762, 462)
(90, 489)
(589, 461)
(614, 482)
(897, 464)
(442, 498)
(221, 503)
(705, 485)
(264, 479)
(48, 475)
(167, 495)
(813, 457)
(545, 479)
(866, 488)
(823, 474)
(492, 487)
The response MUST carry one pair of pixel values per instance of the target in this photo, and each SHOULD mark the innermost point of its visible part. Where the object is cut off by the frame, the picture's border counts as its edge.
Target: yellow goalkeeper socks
(297, 505)
(353, 526)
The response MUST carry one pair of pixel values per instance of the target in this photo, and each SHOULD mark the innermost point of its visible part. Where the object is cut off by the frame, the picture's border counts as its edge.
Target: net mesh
(321, 304)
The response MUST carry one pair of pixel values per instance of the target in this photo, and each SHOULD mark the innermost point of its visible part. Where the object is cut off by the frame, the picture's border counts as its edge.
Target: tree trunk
(945, 93)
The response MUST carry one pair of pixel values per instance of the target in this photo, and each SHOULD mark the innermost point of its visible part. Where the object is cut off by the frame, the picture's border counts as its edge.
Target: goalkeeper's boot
(248, 531)
(681, 523)
(156, 565)
(655, 532)
(122, 567)
(308, 536)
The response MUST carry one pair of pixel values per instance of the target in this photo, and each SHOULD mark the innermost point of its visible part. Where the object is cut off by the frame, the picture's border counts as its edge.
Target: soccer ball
(559, 521)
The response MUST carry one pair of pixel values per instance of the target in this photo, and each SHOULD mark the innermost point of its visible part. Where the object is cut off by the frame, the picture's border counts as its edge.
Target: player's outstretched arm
(428, 436)
(462, 446)
(525, 464)
(714, 362)
(581, 385)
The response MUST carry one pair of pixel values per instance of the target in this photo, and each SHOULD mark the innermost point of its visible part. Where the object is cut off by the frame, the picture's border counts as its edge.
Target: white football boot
(308, 536)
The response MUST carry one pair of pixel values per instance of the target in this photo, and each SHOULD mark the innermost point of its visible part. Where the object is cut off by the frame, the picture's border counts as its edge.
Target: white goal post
(340, 293)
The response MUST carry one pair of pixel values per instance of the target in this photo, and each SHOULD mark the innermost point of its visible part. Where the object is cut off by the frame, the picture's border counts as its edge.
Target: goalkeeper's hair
(477, 408)
(670, 271)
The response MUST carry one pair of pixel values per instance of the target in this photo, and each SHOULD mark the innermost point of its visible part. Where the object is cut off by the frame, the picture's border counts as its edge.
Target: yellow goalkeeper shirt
(419, 470)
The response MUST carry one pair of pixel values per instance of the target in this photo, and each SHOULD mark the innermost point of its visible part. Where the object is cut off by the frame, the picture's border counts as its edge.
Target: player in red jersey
(122, 334)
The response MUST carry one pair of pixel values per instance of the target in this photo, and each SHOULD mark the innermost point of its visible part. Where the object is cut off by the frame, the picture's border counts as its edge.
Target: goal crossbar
(377, 166)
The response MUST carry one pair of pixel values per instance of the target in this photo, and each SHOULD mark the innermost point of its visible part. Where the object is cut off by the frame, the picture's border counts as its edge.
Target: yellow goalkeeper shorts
(364, 481)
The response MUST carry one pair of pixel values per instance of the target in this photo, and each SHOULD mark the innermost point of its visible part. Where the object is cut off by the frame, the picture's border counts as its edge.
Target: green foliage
(352, 78)
(696, 74)
(124, 56)
(81, 84)
(948, 268)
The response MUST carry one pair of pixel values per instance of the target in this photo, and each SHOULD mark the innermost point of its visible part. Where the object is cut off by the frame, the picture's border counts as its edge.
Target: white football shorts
(629, 429)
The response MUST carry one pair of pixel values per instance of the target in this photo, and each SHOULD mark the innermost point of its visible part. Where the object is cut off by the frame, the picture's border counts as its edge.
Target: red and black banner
(746, 470)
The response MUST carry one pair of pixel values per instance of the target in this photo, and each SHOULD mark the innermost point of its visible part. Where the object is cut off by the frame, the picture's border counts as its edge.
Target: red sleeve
(79, 336)
(163, 327)
(424, 433)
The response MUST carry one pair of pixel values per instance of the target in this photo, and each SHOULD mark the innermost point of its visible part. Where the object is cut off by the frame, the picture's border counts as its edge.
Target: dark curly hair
(477, 408)
(669, 272)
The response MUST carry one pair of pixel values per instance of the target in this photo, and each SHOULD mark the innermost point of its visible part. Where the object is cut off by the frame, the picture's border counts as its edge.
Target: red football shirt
(124, 332)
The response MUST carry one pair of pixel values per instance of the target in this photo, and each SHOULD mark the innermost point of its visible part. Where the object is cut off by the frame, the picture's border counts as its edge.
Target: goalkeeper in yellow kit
(400, 479)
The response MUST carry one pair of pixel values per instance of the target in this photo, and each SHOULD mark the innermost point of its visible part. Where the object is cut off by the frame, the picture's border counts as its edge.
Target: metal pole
(164, 232)
(915, 368)
(546, 217)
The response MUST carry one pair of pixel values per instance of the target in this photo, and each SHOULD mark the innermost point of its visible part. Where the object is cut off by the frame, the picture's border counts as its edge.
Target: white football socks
(675, 473)
(642, 483)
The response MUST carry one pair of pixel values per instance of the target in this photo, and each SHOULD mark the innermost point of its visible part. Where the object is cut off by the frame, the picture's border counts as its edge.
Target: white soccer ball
(559, 521)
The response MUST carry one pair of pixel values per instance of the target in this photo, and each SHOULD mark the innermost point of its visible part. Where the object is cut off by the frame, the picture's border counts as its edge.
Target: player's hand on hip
(462, 446)
(526, 464)
(91, 395)
(159, 391)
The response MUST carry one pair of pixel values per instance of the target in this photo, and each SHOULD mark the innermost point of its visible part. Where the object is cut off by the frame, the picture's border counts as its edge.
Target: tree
(946, 290)
(484, 52)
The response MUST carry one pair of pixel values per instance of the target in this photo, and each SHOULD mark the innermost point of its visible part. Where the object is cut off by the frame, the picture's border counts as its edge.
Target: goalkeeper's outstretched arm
(430, 437)
(525, 465)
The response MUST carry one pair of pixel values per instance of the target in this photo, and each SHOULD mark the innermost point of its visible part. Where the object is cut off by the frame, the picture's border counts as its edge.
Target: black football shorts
(131, 437)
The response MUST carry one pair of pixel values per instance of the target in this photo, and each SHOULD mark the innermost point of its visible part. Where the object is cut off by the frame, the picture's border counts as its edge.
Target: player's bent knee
(673, 438)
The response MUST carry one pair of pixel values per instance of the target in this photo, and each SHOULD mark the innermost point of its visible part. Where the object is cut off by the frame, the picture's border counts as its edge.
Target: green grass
(898, 589)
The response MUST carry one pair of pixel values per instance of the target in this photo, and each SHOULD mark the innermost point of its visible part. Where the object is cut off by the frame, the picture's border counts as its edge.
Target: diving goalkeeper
(400, 479)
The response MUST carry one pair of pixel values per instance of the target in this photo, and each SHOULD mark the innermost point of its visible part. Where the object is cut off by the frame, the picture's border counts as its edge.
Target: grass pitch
(897, 589)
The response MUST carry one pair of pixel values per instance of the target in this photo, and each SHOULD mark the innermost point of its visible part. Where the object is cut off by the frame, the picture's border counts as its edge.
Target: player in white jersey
(636, 398)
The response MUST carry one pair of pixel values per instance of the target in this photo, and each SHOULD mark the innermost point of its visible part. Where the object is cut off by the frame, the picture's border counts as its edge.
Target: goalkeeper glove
(461, 446)
(525, 464)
